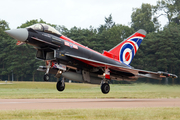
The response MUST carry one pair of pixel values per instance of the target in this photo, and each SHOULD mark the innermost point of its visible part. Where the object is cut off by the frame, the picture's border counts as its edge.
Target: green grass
(45, 90)
(94, 114)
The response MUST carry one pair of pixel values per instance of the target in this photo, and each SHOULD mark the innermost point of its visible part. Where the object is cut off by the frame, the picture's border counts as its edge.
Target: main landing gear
(105, 88)
(60, 85)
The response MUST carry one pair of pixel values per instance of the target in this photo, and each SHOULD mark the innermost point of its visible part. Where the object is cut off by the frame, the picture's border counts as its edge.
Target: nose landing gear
(46, 76)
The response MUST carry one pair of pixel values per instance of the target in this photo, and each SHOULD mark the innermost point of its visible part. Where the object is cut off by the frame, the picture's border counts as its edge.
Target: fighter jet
(67, 58)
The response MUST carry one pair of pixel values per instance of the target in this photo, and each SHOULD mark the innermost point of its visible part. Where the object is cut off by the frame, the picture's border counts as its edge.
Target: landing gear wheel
(46, 77)
(105, 88)
(60, 86)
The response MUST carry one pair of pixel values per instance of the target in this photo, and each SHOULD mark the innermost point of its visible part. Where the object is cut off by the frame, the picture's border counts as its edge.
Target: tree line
(159, 51)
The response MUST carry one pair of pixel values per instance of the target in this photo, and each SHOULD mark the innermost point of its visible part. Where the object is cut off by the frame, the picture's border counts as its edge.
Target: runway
(23, 104)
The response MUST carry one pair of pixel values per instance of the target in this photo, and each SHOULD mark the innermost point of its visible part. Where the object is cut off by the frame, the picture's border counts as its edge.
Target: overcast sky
(70, 13)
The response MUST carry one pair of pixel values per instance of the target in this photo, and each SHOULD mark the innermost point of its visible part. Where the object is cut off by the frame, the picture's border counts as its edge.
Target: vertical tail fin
(126, 50)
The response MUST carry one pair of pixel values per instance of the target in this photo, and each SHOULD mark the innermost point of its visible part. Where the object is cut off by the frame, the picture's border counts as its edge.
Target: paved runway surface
(16, 104)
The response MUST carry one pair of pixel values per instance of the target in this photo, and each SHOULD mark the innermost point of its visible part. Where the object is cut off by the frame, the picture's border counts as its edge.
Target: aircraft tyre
(46, 77)
(105, 88)
(60, 86)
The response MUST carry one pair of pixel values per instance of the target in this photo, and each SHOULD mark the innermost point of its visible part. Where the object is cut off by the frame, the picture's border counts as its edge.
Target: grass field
(45, 90)
(94, 114)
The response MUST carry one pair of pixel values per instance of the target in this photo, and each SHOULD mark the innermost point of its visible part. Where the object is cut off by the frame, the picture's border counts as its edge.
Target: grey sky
(80, 13)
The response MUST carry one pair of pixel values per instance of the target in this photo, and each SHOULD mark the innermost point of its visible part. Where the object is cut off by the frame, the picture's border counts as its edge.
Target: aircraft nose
(18, 34)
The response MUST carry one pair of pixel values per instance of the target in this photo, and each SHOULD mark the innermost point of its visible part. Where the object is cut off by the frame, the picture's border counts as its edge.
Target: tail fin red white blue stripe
(126, 50)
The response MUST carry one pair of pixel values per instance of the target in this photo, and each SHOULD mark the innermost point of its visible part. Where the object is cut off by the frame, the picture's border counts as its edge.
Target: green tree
(108, 24)
(161, 50)
(176, 19)
(142, 19)
(62, 29)
(86, 37)
(168, 8)
(5, 41)
(115, 35)
(20, 59)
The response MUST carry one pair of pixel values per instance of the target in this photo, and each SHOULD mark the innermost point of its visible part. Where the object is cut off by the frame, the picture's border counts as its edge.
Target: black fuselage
(61, 48)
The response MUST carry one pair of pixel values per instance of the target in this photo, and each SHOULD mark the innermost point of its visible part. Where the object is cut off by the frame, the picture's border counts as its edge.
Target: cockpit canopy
(44, 28)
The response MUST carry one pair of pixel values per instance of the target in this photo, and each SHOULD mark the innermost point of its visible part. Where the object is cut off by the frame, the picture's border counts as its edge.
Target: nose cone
(18, 34)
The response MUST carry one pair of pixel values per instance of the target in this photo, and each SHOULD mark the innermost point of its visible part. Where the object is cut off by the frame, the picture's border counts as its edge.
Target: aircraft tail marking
(126, 50)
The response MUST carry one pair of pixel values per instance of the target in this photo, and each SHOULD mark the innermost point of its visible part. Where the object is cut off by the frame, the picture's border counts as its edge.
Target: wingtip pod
(167, 74)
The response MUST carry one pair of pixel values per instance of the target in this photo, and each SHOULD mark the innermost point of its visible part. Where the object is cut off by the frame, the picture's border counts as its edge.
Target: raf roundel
(129, 49)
